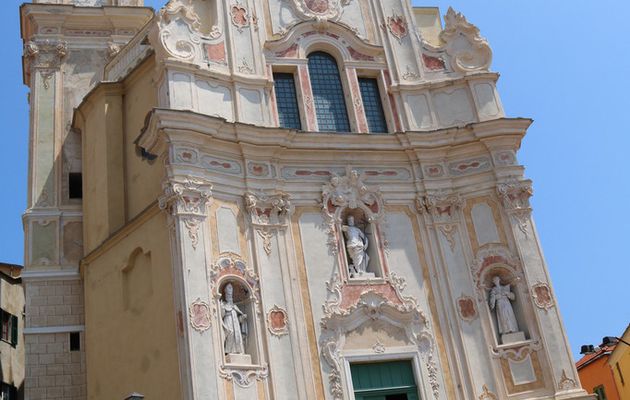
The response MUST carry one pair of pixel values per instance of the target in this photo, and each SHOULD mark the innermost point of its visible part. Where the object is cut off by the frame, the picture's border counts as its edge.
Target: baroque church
(278, 199)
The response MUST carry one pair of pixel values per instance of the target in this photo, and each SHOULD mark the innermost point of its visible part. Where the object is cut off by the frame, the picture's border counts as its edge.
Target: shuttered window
(384, 381)
(286, 100)
(328, 97)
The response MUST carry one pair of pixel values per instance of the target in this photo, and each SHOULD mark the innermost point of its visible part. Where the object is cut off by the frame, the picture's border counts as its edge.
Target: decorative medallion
(378, 347)
(277, 321)
(541, 293)
(239, 16)
(199, 312)
(398, 26)
(467, 308)
(319, 10)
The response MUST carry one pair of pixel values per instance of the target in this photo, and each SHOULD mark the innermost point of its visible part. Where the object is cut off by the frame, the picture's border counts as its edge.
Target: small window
(372, 105)
(75, 185)
(75, 341)
(623, 383)
(599, 391)
(286, 99)
(328, 96)
(9, 328)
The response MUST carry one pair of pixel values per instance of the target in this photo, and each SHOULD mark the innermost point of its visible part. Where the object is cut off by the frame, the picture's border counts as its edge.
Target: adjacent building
(619, 363)
(596, 375)
(278, 199)
(11, 333)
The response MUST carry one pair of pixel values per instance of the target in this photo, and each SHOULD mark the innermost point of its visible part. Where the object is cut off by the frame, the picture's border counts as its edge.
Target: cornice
(201, 128)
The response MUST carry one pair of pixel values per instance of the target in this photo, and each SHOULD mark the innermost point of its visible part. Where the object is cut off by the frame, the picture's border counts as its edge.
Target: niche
(360, 244)
(208, 12)
(504, 298)
(238, 323)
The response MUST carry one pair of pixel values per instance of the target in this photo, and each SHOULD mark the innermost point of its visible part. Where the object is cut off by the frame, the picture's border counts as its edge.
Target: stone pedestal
(363, 275)
(513, 337)
(239, 359)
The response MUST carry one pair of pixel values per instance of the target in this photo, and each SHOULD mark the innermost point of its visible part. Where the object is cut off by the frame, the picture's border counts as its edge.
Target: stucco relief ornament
(239, 15)
(199, 313)
(278, 321)
(397, 26)
(566, 383)
(468, 50)
(178, 30)
(541, 294)
(486, 394)
(319, 10)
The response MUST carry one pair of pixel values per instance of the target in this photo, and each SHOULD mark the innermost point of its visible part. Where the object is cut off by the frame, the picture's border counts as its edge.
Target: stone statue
(356, 245)
(500, 298)
(234, 323)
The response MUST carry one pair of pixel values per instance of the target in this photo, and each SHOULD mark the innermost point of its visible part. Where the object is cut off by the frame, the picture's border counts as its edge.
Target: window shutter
(14, 330)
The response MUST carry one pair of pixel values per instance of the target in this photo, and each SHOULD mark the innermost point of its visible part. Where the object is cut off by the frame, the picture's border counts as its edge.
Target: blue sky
(564, 64)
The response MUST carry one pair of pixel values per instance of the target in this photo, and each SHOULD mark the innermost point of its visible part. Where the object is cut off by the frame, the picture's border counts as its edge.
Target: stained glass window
(372, 105)
(328, 98)
(286, 99)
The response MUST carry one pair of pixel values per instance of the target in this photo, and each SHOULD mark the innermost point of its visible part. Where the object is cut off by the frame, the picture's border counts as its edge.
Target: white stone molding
(348, 192)
(319, 10)
(542, 296)
(468, 50)
(403, 313)
(515, 197)
(517, 352)
(278, 321)
(268, 214)
(187, 200)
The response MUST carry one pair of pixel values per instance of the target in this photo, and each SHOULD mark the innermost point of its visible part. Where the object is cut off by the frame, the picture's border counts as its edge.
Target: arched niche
(496, 261)
(231, 269)
(348, 197)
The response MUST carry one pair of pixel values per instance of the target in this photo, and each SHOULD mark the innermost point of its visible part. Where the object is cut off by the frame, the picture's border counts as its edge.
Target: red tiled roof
(588, 358)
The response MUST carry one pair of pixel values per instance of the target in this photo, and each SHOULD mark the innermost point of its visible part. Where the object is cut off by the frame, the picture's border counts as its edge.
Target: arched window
(330, 105)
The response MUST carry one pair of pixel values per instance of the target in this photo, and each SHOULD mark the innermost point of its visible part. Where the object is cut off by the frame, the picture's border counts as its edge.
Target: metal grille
(286, 99)
(372, 105)
(328, 93)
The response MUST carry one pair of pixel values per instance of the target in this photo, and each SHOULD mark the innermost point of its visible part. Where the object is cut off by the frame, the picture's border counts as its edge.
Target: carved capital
(515, 195)
(45, 54)
(186, 198)
(268, 210)
(442, 207)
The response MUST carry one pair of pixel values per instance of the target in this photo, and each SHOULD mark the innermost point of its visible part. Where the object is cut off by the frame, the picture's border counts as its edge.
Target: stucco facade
(192, 189)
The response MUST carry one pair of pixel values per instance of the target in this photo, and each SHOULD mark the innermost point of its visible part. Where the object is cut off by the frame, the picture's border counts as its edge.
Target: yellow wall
(619, 362)
(117, 183)
(131, 338)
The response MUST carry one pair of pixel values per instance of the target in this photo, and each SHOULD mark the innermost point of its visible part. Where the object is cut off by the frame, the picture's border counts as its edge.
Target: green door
(384, 381)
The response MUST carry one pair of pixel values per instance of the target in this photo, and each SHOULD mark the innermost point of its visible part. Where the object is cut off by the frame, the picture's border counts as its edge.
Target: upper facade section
(348, 66)
(94, 3)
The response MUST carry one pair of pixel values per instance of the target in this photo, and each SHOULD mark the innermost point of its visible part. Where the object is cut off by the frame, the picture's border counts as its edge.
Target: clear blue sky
(563, 63)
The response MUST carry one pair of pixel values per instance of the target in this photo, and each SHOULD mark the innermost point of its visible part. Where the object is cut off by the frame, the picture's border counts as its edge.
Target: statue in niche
(356, 246)
(234, 323)
(500, 299)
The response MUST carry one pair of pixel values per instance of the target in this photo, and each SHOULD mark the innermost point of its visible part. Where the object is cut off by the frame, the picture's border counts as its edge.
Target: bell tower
(67, 43)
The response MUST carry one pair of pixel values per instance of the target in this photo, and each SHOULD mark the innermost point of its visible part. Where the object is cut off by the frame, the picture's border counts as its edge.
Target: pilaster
(186, 200)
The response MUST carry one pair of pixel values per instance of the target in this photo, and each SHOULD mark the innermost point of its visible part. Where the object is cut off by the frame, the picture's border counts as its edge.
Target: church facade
(278, 199)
